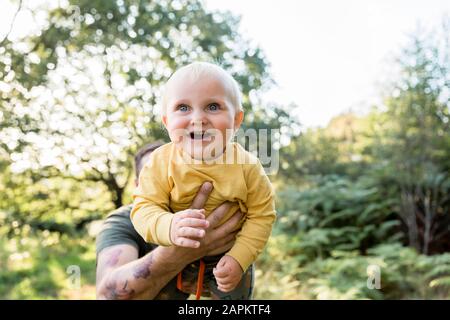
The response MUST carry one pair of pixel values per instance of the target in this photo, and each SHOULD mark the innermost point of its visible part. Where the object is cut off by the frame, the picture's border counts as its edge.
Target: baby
(201, 111)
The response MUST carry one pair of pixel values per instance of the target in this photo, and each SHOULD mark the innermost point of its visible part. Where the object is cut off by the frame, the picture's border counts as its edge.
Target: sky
(326, 56)
(329, 56)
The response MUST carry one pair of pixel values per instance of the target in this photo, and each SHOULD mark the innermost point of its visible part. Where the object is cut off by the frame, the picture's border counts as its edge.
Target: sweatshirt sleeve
(151, 216)
(255, 232)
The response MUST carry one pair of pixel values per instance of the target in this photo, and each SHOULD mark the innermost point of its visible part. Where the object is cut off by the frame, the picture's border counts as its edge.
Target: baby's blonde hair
(198, 69)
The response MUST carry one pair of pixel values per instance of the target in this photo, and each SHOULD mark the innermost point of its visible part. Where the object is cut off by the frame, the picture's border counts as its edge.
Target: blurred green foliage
(337, 214)
(80, 95)
(370, 191)
(36, 264)
(405, 274)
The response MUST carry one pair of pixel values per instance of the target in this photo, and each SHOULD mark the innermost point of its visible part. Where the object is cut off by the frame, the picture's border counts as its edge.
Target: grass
(42, 267)
(45, 266)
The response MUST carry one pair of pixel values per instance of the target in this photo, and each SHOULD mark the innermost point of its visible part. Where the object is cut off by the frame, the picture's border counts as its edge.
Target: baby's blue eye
(213, 107)
(183, 108)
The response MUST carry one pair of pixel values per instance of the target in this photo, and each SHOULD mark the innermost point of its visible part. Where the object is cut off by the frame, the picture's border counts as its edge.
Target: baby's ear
(238, 119)
(164, 120)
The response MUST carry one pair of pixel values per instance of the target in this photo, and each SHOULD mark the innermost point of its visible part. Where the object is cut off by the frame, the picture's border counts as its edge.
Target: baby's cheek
(177, 123)
(177, 134)
(226, 133)
(175, 138)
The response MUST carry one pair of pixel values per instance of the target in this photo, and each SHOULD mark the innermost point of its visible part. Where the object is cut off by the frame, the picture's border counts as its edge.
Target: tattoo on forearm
(143, 270)
(114, 258)
(113, 293)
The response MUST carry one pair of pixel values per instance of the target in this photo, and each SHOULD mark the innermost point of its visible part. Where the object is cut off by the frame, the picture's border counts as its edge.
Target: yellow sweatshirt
(167, 184)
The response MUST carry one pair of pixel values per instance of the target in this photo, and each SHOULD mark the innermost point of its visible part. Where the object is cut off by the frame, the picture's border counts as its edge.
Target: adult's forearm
(143, 278)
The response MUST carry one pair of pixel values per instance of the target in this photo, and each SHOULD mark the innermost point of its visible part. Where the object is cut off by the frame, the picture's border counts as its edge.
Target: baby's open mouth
(200, 135)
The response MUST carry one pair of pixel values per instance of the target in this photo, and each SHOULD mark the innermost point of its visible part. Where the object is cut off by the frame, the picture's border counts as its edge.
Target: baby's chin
(202, 153)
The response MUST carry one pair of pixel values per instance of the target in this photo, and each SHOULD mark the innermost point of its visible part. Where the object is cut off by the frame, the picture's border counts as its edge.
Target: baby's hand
(187, 227)
(228, 273)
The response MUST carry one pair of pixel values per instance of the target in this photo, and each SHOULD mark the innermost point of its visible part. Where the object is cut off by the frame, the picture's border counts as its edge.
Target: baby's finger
(194, 223)
(220, 272)
(221, 264)
(226, 288)
(193, 213)
(221, 277)
(187, 243)
(187, 232)
(223, 282)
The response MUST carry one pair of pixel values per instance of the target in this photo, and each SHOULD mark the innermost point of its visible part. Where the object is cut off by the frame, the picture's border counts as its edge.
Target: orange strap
(179, 282)
(201, 273)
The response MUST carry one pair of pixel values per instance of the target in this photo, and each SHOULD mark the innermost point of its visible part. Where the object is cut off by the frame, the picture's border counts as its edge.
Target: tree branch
(12, 23)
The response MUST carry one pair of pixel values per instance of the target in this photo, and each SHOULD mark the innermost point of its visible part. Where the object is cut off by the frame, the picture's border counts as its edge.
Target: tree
(84, 86)
(414, 150)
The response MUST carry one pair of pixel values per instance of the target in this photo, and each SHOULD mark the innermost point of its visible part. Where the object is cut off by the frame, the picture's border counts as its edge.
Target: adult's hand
(122, 275)
(217, 239)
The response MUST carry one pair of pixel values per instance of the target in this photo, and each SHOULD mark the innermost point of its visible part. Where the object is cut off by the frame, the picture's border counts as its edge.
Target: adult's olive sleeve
(118, 229)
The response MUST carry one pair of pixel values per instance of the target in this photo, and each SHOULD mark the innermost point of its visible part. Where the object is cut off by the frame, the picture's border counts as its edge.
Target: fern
(443, 282)
(351, 214)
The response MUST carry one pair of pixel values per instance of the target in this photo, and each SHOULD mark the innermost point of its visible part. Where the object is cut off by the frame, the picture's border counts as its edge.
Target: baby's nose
(198, 125)
(199, 119)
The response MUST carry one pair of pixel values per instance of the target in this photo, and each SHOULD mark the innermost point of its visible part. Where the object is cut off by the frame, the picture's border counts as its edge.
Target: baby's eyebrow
(180, 102)
(215, 99)
(222, 102)
(206, 101)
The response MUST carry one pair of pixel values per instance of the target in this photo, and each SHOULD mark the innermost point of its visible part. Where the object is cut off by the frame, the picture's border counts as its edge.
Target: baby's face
(200, 116)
